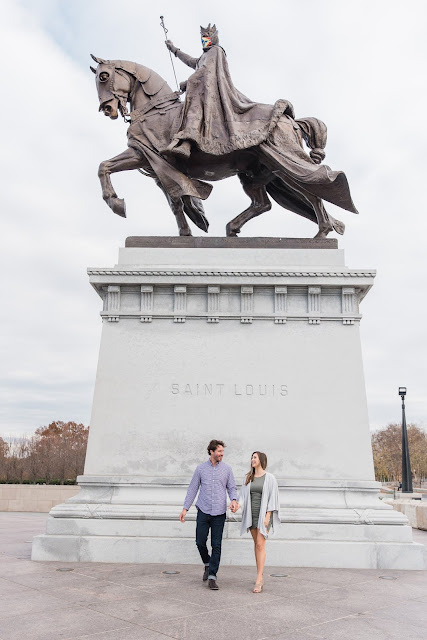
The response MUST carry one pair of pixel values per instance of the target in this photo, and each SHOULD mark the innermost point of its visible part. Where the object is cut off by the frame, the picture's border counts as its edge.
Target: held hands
(182, 515)
(234, 506)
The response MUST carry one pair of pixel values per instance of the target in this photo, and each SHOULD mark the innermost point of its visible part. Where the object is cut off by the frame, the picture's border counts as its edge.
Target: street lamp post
(406, 463)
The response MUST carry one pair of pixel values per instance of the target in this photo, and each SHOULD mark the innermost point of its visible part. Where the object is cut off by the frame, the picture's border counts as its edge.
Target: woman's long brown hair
(263, 460)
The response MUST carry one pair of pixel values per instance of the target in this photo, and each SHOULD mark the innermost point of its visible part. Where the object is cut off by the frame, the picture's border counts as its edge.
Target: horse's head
(115, 81)
(113, 85)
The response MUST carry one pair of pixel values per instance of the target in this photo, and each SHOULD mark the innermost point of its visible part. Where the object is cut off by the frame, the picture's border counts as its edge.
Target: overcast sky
(360, 66)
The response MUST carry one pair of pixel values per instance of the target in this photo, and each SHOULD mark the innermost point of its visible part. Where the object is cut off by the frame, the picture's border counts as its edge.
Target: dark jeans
(216, 525)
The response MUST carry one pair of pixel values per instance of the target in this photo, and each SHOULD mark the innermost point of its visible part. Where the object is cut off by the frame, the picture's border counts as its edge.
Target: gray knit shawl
(269, 502)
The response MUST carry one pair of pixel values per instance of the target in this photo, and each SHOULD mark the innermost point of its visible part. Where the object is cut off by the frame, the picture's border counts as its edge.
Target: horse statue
(278, 167)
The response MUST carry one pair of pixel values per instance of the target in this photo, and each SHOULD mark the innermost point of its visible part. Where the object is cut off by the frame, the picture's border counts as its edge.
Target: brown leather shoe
(213, 585)
(206, 573)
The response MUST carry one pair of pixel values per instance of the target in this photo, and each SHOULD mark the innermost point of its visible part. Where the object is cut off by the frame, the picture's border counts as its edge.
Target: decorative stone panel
(248, 293)
(246, 304)
(113, 303)
(348, 298)
(180, 303)
(280, 304)
(146, 303)
(213, 304)
(314, 305)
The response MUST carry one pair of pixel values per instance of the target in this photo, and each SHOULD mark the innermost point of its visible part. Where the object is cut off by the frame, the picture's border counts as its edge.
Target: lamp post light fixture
(406, 463)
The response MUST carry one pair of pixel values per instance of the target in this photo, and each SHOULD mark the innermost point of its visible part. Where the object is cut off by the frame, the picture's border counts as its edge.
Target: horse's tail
(315, 134)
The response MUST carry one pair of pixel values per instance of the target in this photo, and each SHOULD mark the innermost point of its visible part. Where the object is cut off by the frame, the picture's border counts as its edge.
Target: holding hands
(234, 506)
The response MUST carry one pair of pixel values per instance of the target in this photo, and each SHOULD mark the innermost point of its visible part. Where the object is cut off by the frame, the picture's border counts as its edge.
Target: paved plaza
(39, 601)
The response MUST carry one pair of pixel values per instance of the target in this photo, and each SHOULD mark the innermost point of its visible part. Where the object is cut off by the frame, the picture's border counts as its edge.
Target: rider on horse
(216, 117)
(225, 134)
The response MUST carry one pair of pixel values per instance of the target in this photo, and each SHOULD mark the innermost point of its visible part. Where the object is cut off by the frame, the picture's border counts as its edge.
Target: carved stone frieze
(218, 285)
(249, 303)
(354, 273)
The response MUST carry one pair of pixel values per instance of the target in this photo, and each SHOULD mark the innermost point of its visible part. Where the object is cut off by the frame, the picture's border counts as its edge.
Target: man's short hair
(214, 444)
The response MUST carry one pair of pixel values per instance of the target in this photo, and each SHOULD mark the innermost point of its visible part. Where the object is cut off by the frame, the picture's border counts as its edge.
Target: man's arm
(232, 492)
(192, 490)
(184, 57)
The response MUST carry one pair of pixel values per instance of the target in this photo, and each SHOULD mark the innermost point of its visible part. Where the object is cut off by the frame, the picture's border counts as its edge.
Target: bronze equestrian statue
(216, 133)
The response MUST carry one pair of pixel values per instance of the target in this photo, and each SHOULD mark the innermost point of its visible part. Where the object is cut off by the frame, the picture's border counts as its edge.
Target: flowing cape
(217, 117)
(220, 120)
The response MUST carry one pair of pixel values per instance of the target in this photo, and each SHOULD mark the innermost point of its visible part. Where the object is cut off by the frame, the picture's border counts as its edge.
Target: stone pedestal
(252, 341)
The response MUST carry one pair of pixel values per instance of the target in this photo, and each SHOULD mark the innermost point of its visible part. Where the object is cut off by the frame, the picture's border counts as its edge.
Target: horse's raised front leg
(260, 203)
(126, 161)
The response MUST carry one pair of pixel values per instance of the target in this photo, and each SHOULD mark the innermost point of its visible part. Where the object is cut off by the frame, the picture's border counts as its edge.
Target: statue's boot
(181, 148)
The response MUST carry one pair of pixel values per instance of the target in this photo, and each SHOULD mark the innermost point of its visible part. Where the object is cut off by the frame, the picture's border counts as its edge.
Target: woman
(259, 499)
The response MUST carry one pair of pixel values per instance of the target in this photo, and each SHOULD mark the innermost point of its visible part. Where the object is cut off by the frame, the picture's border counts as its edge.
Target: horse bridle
(109, 88)
(122, 99)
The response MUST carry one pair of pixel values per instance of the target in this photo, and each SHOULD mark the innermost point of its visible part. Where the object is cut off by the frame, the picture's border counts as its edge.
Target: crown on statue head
(210, 32)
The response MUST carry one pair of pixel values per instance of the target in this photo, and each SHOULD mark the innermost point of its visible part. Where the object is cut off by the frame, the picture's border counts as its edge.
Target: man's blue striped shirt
(214, 482)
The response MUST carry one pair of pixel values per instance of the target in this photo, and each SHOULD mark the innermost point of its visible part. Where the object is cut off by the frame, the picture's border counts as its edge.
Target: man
(215, 479)
(217, 118)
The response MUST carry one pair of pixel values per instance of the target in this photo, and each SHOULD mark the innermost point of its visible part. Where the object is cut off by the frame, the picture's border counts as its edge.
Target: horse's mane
(152, 82)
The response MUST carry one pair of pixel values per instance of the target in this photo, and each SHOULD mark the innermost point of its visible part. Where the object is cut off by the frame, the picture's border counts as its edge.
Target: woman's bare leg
(259, 544)
(254, 533)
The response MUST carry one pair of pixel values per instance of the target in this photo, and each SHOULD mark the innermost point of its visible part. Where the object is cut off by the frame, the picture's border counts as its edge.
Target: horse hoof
(230, 232)
(118, 206)
(185, 232)
(339, 227)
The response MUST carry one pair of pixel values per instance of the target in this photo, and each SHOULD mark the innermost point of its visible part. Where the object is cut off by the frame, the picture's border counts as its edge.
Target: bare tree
(4, 448)
(54, 454)
(387, 452)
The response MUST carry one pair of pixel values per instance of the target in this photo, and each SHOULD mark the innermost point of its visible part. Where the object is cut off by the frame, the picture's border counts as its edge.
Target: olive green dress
(257, 486)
